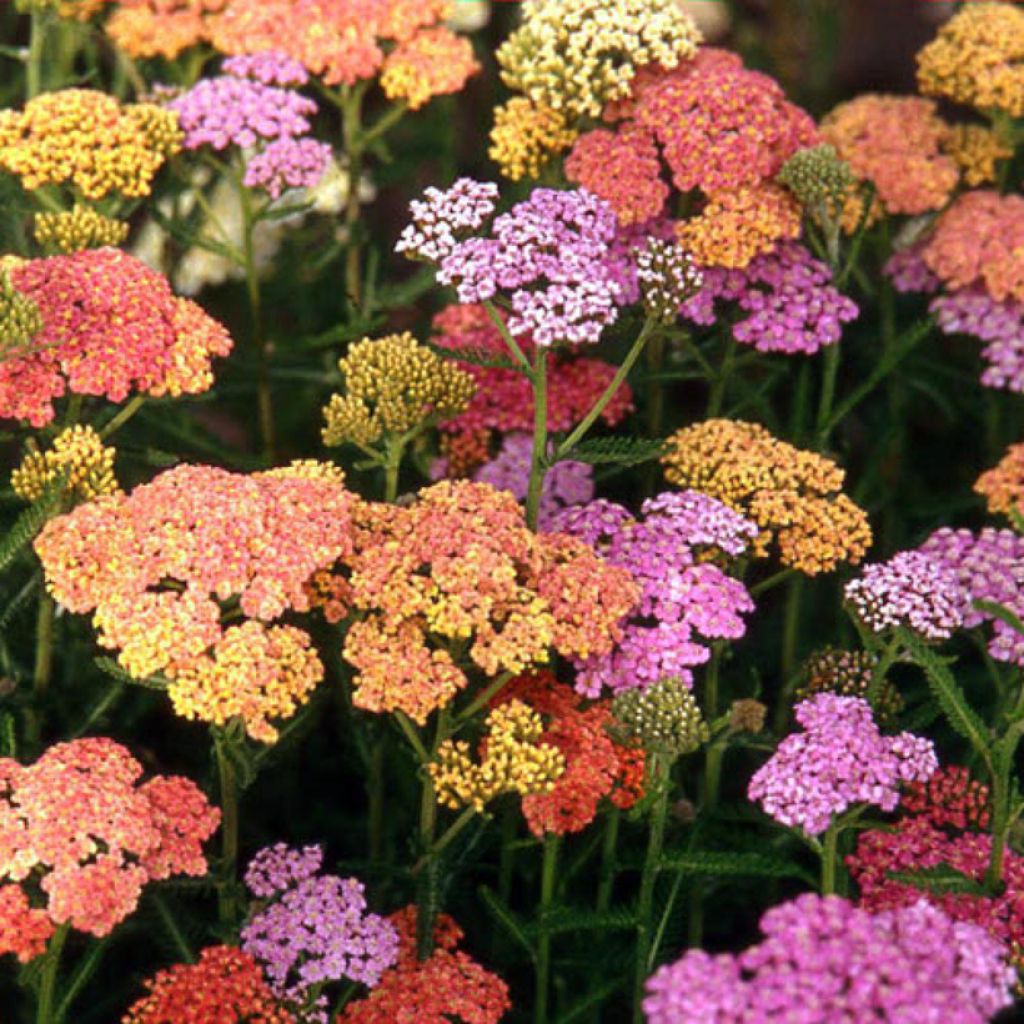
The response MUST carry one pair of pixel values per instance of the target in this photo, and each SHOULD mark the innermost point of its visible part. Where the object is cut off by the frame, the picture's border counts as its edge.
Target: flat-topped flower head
(77, 456)
(794, 496)
(978, 152)
(839, 760)
(976, 59)
(525, 137)
(663, 718)
(110, 327)
(1002, 487)
(823, 960)
(87, 140)
(81, 836)
(443, 217)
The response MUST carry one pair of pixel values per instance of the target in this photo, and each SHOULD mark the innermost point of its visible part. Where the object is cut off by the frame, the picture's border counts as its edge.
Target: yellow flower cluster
(434, 62)
(1003, 486)
(574, 56)
(392, 386)
(525, 136)
(256, 672)
(977, 58)
(976, 150)
(77, 229)
(793, 495)
(87, 139)
(77, 452)
(738, 225)
(513, 760)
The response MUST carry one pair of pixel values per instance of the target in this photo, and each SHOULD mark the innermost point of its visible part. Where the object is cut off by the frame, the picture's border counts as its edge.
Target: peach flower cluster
(456, 581)
(80, 837)
(162, 568)
(1002, 487)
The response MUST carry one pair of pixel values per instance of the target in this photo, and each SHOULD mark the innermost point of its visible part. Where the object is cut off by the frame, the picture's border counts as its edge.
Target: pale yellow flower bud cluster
(77, 229)
(77, 452)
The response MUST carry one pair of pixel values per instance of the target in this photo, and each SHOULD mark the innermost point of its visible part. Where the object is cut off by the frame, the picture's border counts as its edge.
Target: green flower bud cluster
(664, 718)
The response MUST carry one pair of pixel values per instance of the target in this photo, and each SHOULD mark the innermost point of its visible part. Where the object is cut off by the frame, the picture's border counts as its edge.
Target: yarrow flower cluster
(78, 830)
(976, 59)
(110, 326)
(460, 564)
(79, 228)
(20, 318)
(268, 121)
(849, 674)
(154, 564)
(406, 44)
(393, 385)
(910, 589)
(1002, 487)
(547, 255)
(819, 178)
(503, 402)
(683, 599)
(314, 930)
(824, 960)
(990, 567)
(794, 496)
(839, 759)
(87, 140)
(79, 456)
(663, 718)
(158, 28)
(448, 986)
(667, 277)
(793, 305)
(224, 984)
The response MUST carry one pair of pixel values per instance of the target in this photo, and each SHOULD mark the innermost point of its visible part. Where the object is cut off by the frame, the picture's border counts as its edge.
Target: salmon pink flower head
(684, 599)
(314, 930)
(449, 985)
(81, 837)
(839, 759)
(251, 107)
(548, 255)
(110, 327)
(823, 960)
(225, 984)
(456, 583)
(155, 566)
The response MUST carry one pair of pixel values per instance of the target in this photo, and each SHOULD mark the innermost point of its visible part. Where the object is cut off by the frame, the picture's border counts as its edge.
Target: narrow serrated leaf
(476, 357)
(506, 918)
(720, 862)
(940, 879)
(569, 919)
(622, 451)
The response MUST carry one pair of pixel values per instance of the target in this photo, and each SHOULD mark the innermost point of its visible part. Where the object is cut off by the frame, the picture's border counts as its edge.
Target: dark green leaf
(622, 451)
(717, 863)
(504, 917)
(940, 879)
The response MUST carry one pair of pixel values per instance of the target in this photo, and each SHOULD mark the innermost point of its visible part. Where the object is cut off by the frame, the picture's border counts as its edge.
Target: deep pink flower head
(823, 960)
(683, 601)
(911, 589)
(793, 305)
(111, 326)
(838, 760)
(288, 163)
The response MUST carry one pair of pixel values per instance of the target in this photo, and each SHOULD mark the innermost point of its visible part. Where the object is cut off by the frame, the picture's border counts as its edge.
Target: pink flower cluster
(683, 599)
(78, 825)
(838, 760)
(111, 326)
(242, 108)
(548, 254)
(911, 589)
(793, 305)
(823, 961)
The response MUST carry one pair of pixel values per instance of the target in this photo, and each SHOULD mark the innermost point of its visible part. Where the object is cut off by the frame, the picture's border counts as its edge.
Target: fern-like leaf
(112, 669)
(570, 919)
(940, 879)
(29, 523)
(508, 921)
(619, 451)
(485, 357)
(716, 863)
(1002, 613)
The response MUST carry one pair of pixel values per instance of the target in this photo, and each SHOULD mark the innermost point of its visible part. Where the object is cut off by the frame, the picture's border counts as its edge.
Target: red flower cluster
(77, 825)
(447, 987)
(111, 326)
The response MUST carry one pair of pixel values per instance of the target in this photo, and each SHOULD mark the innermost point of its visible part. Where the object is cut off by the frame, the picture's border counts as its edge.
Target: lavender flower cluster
(823, 960)
(248, 108)
(838, 760)
(314, 929)
(683, 601)
(793, 305)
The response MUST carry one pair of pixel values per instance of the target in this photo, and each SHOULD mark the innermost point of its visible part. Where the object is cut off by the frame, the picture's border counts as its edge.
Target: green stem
(590, 419)
(881, 669)
(123, 416)
(43, 671)
(354, 140)
(549, 872)
(483, 698)
(429, 877)
(609, 845)
(655, 404)
(721, 381)
(48, 982)
(538, 454)
(375, 795)
(409, 730)
(790, 645)
(829, 858)
(830, 373)
(447, 836)
(39, 24)
(227, 784)
(83, 972)
(391, 469)
(648, 879)
(513, 346)
(713, 773)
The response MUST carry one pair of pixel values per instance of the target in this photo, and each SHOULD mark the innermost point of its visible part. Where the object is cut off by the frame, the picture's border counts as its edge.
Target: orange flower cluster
(595, 765)
(525, 135)
(977, 150)
(721, 129)
(225, 985)
(155, 565)
(78, 833)
(1002, 487)
(86, 139)
(794, 496)
(448, 986)
(977, 58)
(895, 142)
(979, 239)
(346, 41)
(456, 577)
(160, 28)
